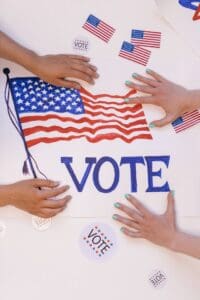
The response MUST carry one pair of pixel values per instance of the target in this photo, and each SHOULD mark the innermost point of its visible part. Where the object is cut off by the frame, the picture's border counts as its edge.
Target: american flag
(49, 114)
(186, 121)
(135, 53)
(99, 28)
(146, 38)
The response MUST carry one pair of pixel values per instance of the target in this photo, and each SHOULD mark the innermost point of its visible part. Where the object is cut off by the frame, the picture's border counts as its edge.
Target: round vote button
(98, 242)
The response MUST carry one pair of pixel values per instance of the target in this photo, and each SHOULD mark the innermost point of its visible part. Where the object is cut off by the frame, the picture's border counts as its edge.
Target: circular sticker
(2, 229)
(41, 223)
(81, 45)
(98, 242)
(158, 279)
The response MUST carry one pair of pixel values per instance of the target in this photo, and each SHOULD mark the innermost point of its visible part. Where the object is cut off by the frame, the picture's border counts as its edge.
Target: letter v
(79, 185)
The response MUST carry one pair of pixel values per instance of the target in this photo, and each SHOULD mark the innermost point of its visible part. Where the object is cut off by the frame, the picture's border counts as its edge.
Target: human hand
(159, 229)
(56, 68)
(173, 98)
(36, 196)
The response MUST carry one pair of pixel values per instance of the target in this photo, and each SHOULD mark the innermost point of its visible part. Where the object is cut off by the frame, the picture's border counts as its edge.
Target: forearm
(4, 195)
(187, 244)
(12, 51)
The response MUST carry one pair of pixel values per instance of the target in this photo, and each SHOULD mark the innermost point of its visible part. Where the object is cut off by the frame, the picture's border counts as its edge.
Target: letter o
(96, 174)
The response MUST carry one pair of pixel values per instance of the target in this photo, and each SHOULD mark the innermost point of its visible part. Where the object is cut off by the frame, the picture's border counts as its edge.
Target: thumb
(164, 121)
(170, 212)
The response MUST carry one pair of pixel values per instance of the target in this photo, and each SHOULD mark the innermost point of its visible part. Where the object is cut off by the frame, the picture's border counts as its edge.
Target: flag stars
(51, 95)
(57, 107)
(57, 98)
(45, 107)
(20, 101)
(18, 94)
(26, 96)
(33, 99)
(44, 92)
(50, 88)
(79, 109)
(40, 103)
(33, 107)
(51, 102)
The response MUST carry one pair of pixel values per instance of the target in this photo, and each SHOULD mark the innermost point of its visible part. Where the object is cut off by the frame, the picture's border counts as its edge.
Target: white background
(49, 265)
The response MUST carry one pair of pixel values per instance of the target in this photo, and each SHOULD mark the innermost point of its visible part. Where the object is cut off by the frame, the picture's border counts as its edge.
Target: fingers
(141, 100)
(146, 80)
(56, 204)
(137, 204)
(131, 233)
(79, 57)
(44, 183)
(141, 88)
(49, 213)
(129, 211)
(170, 203)
(51, 193)
(81, 75)
(126, 221)
(155, 75)
(87, 69)
(67, 84)
(164, 121)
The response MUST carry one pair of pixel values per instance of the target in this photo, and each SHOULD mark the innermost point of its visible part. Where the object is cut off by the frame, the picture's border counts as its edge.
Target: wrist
(194, 99)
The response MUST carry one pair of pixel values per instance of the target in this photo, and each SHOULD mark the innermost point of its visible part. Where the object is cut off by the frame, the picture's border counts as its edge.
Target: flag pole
(18, 127)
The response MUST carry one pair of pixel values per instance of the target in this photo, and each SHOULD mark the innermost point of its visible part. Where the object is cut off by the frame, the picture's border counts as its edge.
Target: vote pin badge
(81, 45)
(41, 224)
(2, 229)
(98, 242)
(158, 279)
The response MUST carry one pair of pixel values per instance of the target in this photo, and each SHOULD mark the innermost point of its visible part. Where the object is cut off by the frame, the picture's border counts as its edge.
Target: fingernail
(126, 196)
(128, 82)
(114, 217)
(148, 70)
(134, 75)
(126, 100)
(173, 193)
(117, 205)
(151, 125)
(122, 229)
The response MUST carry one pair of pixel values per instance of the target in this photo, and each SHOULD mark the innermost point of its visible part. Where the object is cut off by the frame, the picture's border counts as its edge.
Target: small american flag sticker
(135, 53)
(99, 28)
(186, 121)
(146, 38)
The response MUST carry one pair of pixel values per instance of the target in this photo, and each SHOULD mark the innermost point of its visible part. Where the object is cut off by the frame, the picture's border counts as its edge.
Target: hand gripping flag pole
(16, 123)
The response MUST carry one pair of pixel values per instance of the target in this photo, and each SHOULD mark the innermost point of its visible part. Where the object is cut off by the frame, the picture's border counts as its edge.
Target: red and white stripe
(139, 55)
(189, 120)
(102, 31)
(106, 117)
(150, 39)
